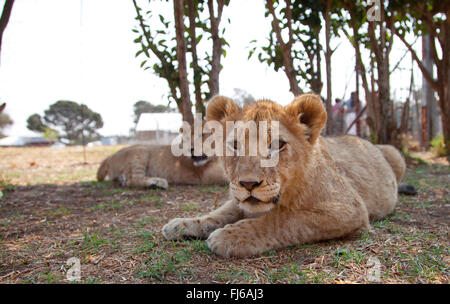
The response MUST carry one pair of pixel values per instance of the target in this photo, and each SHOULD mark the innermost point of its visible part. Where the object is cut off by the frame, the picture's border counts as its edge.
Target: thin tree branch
(433, 83)
(356, 118)
(289, 22)
(4, 19)
(275, 24)
(401, 59)
(167, 66)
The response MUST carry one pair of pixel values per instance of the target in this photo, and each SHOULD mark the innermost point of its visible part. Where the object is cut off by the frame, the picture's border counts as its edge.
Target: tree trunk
(199, 107)
(428, 93)
(217, 46)
(446, 130)
(4, 19)
(372, 118)
(381, 48)
(285, 49)
(441, 84)
(444, 106)
(384, 102)
(317, 83)
(445, 116)
(290, 72)
(185, 103)
(328, 54)
(357, 103)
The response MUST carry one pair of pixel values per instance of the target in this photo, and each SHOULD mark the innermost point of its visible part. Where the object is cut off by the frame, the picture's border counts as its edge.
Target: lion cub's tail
(102, 171)
(395, 159)
(398, 165)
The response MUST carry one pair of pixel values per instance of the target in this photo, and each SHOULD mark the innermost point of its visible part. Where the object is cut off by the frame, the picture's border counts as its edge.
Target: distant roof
(22, 141)
(160, 121)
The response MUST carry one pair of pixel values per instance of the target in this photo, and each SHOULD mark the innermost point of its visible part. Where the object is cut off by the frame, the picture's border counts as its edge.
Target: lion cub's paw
(225, 243)
(182, 228)
(157, 182)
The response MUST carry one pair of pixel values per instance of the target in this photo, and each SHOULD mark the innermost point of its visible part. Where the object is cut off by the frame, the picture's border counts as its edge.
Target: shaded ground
(53, 210)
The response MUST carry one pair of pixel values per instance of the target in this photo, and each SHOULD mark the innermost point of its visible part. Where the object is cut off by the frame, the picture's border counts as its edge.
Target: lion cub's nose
(249, 185)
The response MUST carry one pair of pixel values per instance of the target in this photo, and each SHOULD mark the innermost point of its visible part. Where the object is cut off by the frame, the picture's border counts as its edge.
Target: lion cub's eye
(277, 145)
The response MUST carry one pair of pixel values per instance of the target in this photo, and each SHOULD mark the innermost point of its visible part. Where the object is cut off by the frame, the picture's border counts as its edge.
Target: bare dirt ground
(52, 209)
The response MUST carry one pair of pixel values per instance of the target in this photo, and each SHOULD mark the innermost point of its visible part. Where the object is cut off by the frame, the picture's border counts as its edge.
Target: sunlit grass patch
(190, 206)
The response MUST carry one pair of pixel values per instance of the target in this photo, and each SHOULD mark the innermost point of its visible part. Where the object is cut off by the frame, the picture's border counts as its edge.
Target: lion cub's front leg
(201, 227)
(281, 228)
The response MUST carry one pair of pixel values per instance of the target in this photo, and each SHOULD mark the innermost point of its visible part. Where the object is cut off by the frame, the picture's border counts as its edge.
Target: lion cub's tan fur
(142, 165)
(321, 188)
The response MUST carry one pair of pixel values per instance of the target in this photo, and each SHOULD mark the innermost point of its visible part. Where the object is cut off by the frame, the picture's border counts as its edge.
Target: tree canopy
(74, 122)
(142, 106)
(5, 121)
(34, 123)
(165, 50)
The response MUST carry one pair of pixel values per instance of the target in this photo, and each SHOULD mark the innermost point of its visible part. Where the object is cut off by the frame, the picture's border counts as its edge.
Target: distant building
(105, 141)
(158, 127)
(22, 141)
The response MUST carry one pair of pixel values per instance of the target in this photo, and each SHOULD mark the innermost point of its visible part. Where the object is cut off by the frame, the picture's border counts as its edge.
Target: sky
(83, 51)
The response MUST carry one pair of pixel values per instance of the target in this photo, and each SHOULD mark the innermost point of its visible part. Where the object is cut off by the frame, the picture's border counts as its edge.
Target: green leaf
(138, 53)
(144, 49)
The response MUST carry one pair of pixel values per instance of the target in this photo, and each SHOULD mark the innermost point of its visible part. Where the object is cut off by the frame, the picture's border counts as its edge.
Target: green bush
(438, 146)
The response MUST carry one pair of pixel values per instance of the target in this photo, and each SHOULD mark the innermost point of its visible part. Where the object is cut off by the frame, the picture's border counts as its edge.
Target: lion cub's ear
(222, 108)
(309, 110)
(2, 107)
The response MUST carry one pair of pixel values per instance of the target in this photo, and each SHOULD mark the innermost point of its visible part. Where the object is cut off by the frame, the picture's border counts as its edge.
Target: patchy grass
(54, 210)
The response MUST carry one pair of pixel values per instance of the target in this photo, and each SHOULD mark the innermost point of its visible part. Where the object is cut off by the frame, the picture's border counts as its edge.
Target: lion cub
(320, 189)
(155, 166)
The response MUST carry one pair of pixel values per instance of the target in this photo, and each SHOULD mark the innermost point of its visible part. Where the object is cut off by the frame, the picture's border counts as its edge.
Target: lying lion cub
(147, 166)
(321, 188)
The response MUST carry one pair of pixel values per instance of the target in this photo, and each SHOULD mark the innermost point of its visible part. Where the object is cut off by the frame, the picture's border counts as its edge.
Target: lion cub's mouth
(254, 200)
(199, 161)
(255, 207)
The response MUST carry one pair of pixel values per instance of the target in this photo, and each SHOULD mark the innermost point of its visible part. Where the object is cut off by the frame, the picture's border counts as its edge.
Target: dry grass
(53, 210)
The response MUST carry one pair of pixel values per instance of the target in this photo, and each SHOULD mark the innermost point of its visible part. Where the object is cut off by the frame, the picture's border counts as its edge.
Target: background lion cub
(321, 188)
(147, 166)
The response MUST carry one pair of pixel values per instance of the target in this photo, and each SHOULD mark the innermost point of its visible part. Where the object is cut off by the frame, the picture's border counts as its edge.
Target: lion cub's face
(200, 159)
(259, 189)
